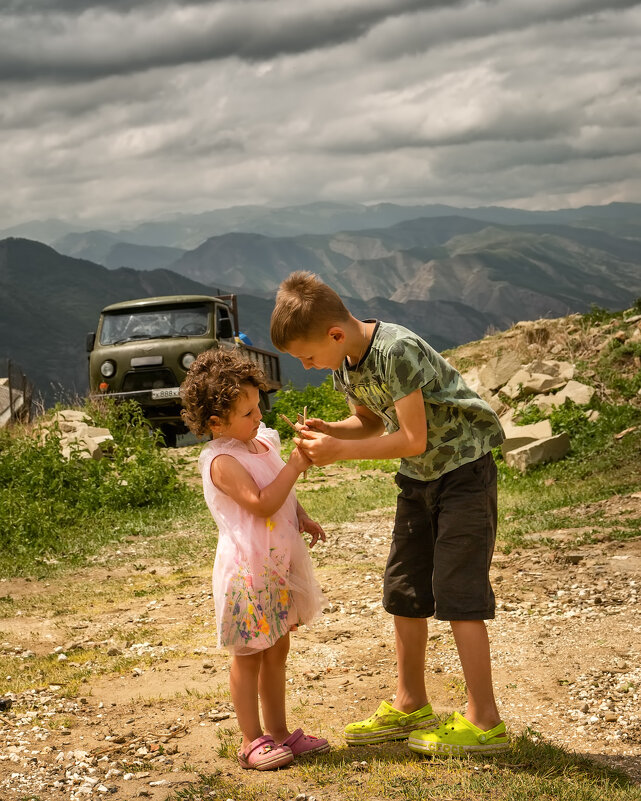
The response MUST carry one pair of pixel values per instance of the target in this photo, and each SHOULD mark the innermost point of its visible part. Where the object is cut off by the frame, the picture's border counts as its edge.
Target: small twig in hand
(305, 423)
(288, 421)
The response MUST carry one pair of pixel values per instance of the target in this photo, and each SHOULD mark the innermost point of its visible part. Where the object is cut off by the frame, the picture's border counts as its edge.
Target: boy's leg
(271, 689)
(473, 647)
(411, 642)
(463, 596)
(407, 595)
(243, 683)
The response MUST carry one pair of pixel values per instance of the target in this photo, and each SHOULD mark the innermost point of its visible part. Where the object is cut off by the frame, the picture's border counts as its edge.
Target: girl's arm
(305, 523)
(231, 478)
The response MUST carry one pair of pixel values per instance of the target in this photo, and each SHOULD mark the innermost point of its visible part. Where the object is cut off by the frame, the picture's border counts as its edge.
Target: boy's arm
(361, 424)
(409, 440)
(231, 478)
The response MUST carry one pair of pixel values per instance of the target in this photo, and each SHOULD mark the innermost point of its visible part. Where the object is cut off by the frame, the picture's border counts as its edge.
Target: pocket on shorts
(410, 508)
(484, 470)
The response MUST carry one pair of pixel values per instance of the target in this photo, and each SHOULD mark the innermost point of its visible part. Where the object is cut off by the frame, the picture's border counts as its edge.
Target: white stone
(525, 382)
(550, 449)
(580, 393)
(517, 436)
(498, 370)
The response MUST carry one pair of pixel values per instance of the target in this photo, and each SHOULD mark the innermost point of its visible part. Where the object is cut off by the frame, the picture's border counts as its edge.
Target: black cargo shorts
(442, 545)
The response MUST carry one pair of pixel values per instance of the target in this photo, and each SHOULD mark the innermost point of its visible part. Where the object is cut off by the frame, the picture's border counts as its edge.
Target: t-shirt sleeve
(407, 368)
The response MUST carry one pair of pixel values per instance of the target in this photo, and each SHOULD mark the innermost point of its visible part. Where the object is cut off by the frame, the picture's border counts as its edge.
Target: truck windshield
(154, 323)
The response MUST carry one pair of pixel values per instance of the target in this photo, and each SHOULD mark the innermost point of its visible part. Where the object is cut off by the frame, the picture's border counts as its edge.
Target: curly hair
(213, 384)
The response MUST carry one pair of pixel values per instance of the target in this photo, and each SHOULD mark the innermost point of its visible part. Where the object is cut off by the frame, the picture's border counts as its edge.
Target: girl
(263, 578)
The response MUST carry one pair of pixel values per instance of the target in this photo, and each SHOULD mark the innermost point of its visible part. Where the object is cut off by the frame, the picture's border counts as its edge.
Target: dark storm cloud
(123, 110)
(60, 45)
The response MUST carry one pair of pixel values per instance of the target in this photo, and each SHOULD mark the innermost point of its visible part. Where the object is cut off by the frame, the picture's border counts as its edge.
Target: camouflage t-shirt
(461, 426)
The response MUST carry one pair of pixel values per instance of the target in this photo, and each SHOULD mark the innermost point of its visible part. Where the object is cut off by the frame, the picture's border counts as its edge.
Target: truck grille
(148, 379)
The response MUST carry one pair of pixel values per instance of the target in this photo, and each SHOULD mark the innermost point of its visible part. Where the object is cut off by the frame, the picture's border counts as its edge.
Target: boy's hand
(305, 523)
(316, 424)
(299, 460)
(320, 449)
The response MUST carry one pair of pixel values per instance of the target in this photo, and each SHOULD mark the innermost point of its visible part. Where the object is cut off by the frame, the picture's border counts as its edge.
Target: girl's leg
(473, 647)
(243, 683)
(411, 641)
(271, 689)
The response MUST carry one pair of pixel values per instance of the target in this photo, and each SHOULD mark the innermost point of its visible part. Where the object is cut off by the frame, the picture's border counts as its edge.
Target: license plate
(166, 392)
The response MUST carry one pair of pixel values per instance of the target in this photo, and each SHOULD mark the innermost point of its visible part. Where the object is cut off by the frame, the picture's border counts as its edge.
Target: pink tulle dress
(263, 575)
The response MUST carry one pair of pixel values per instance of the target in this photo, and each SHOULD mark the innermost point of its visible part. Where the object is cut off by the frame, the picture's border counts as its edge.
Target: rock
(79, 438)
(551, 367)
(517, 436)
(579, 393)
(550, 449)
(498, 370)
(525, 382)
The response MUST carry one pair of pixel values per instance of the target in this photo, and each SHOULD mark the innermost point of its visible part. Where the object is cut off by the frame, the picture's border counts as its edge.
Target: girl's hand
(299, 460)
(306, 524)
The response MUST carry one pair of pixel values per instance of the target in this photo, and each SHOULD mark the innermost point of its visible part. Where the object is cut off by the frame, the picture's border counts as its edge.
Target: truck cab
(142, 350)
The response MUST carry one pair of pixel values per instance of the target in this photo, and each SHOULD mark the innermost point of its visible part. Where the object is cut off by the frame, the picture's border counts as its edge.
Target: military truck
(142, 350)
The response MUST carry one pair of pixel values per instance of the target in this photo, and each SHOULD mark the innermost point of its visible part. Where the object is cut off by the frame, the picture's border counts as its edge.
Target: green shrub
(530, 414)
(322, 401)
(47, 501)
(598, 314)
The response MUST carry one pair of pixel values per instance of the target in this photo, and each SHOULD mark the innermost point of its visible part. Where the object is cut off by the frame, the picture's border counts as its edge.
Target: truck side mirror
(91, 338)
(225, 329)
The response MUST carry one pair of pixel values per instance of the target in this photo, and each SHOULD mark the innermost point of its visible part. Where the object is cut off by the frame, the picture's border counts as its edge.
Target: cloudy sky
(119, 110)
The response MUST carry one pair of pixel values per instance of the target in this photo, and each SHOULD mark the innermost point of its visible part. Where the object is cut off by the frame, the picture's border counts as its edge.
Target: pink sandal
(264, 754)
(300, 743)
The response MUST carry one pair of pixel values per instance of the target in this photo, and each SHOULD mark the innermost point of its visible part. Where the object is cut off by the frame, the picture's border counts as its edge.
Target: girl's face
(243, 419)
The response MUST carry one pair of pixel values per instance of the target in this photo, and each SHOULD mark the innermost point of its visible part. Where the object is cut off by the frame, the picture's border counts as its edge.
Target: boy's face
(323, 353)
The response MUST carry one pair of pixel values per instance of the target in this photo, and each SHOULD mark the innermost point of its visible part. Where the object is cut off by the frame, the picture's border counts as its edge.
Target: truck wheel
(169, 435)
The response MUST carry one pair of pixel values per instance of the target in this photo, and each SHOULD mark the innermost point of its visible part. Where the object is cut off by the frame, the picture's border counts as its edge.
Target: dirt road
(154, 712)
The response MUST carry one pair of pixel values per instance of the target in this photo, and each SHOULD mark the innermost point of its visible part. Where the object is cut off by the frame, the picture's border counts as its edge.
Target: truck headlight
(108, 368)
(187, 359)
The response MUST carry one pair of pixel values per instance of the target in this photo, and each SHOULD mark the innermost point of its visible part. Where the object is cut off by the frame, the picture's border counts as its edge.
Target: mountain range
(450, 274)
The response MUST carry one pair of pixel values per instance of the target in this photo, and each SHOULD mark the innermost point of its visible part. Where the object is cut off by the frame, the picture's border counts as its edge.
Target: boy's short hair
(213, 384)
(305, 308)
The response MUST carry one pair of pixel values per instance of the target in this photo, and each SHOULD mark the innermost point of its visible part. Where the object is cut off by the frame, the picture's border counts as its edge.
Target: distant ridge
(48, 303)
(449, 276)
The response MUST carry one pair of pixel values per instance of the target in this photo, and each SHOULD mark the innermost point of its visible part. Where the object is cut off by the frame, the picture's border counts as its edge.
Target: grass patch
(344, 503)
(52, 505)
(533, 769)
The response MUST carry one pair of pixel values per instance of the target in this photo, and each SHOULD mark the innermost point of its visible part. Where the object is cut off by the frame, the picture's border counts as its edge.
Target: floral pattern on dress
(252, 602)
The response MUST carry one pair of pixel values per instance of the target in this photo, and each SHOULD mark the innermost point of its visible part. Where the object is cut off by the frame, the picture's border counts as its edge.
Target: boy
(445, 524)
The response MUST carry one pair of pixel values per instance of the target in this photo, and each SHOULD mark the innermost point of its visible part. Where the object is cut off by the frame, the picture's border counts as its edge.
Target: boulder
(564, 370)
(78, 437)
(498, 370)
(580, 393)
(471, 378)
(550, 449)
(525, 382)
(517, 436)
